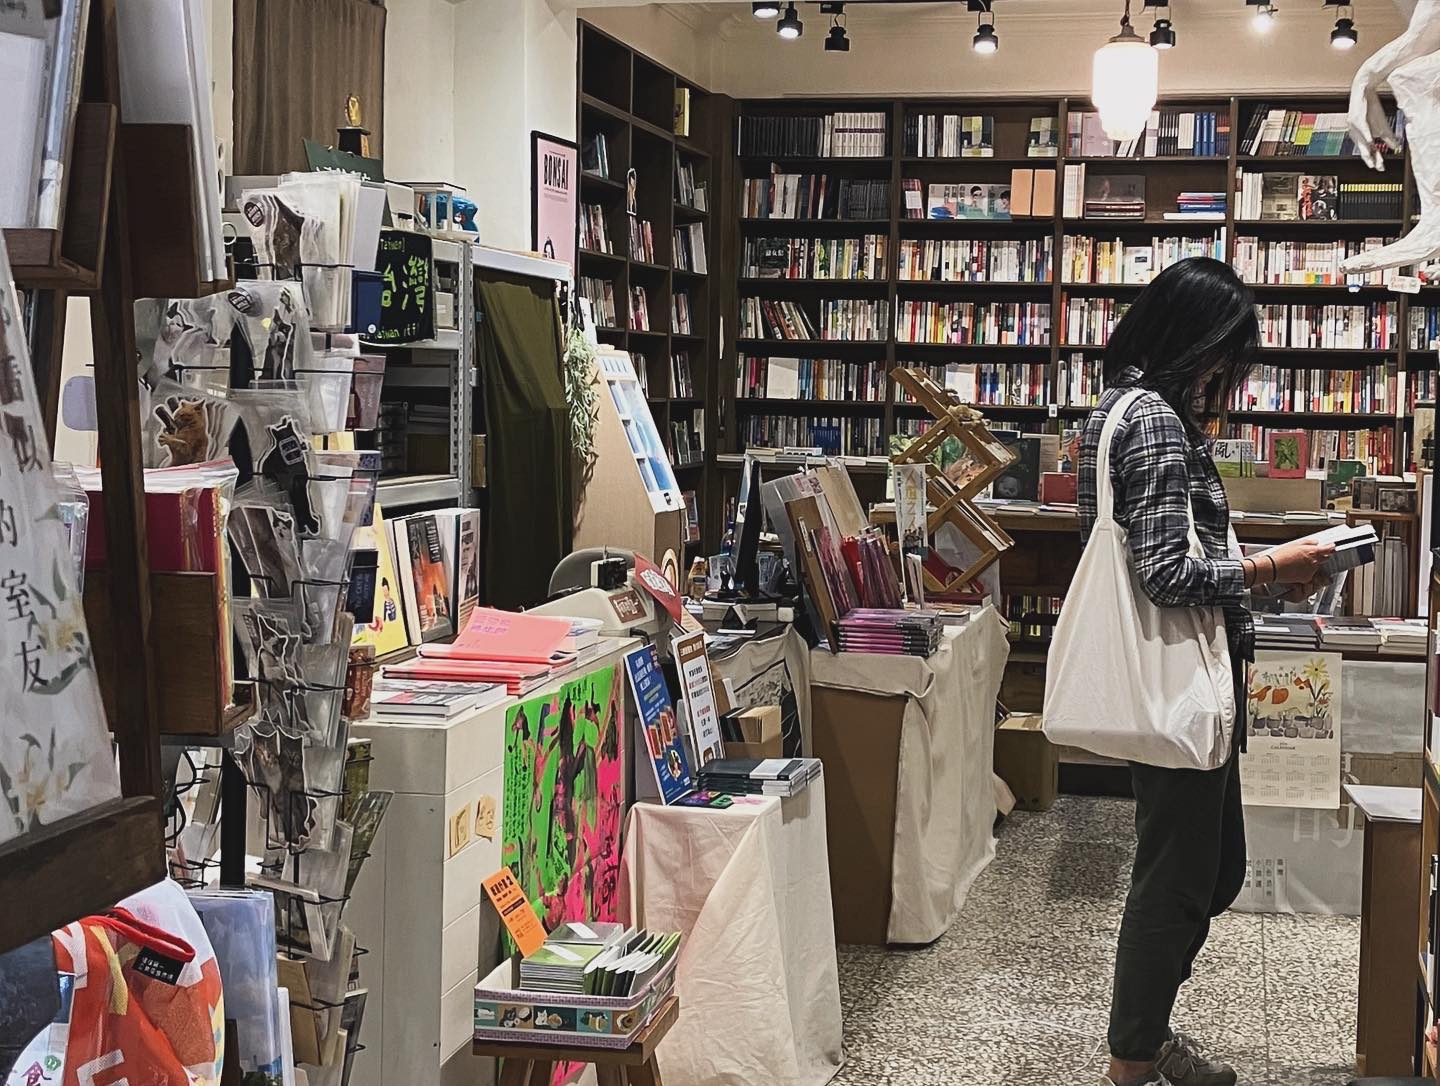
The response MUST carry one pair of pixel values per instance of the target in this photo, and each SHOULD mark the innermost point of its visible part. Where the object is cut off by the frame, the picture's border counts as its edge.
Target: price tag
(1404, 284)
(515, 910)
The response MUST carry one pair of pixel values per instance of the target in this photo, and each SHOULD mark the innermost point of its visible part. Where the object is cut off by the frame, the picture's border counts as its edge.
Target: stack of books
(1285, 632)
(1402, 636)
(1206, 206)
(521, 651)
(416, 699)
(1348, 632)
(890, 632)
(599, 959)
(758, 776)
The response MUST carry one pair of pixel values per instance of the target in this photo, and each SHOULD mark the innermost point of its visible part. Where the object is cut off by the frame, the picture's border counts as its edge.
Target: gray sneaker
(1184, 1064)
(1155, 1079)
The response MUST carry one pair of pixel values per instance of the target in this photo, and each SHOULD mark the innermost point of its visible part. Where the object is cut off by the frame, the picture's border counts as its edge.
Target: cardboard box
(1027, 762)
(1254, 495)
(760, 727)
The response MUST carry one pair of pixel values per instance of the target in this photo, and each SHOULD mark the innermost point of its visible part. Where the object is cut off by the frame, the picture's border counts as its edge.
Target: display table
(908, 745)
(1385, 1023)
(757, 980)
(417, 904)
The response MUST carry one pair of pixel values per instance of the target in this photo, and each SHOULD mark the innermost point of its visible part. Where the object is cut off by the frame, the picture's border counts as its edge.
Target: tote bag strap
(1104, 492)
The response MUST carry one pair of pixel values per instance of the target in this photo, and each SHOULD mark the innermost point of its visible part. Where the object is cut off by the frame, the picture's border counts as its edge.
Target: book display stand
(950, 488)
(108, 246)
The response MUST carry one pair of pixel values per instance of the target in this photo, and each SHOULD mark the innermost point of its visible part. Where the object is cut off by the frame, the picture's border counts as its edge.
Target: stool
(534, 1064)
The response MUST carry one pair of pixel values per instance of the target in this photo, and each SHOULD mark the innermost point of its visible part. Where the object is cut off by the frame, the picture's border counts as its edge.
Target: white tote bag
(1127, 679)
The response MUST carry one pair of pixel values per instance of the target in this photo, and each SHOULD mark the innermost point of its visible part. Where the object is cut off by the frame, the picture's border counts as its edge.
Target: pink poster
(556, 179)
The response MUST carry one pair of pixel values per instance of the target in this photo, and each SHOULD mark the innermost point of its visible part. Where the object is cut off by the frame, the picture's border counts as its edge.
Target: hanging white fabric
(1126, 678)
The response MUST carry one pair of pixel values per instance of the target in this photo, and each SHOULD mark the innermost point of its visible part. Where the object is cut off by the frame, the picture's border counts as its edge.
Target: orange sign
(515, 911)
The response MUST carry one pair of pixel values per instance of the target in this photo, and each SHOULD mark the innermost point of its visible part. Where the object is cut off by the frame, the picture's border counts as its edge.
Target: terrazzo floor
(1018, 991)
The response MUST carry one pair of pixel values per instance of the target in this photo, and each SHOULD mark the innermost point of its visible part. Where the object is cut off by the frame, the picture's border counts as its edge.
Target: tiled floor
(1018, 991)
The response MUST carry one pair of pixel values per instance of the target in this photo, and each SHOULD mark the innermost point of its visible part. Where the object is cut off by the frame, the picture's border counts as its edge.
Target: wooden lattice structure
(950, 487)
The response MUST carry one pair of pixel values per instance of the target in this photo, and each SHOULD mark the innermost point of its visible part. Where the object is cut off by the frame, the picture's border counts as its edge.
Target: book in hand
(1354, 547)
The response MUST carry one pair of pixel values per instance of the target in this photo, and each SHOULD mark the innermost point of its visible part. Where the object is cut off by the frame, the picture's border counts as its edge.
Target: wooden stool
(534, 1064)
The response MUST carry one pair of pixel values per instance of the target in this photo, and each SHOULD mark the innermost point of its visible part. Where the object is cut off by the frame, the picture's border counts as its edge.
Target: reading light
(790, 27)
(1344, 36)
(1162, 35)
(985, 41)
(764, 9)
(1125, 81)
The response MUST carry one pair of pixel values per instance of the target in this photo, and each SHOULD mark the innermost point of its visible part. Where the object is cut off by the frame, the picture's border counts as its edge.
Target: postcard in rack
(663, 741)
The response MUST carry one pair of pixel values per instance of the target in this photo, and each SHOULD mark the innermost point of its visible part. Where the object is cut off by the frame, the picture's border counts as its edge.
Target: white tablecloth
(750, 888)
(945, 799)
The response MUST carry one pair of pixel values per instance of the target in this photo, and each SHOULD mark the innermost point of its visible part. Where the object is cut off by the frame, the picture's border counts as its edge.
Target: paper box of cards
(504, 1012)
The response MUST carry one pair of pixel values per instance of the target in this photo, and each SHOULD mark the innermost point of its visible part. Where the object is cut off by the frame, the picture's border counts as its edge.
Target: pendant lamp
(1125, 81)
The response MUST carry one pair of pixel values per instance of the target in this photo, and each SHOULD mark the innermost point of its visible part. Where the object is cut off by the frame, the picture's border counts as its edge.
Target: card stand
(69, 257)
(165, 221)
(188, 608)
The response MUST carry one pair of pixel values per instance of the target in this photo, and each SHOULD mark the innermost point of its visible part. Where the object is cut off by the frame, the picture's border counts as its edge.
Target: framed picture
(554, 185)
(1289, 451)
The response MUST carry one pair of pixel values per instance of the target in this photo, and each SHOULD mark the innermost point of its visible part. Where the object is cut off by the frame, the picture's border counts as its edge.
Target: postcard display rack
(631, 498)
(268, 374)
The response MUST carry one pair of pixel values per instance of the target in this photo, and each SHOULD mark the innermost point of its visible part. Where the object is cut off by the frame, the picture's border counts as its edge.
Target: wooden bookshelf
(1165, 177)
(630, 100)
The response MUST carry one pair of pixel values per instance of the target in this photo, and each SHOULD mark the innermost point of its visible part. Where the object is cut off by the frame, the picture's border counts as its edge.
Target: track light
(790, 27)
(1162, 34)
(1264, 14)
(765, 9)
(836, 41)
(1343, 36)
(985, 41)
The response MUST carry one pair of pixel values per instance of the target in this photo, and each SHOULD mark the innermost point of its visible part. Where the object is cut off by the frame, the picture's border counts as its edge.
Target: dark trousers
(1189, 867)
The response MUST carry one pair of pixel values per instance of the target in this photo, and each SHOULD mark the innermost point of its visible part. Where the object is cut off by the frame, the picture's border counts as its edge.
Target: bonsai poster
(1293, 706)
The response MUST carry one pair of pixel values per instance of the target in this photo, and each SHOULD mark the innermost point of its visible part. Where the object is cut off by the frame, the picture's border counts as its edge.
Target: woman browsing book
(1175, 357)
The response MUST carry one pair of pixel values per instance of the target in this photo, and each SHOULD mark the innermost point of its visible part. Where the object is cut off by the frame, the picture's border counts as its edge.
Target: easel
(951, 497)
(85, 863)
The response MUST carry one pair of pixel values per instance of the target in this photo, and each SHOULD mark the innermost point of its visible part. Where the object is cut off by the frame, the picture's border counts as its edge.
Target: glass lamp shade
(1125, 83)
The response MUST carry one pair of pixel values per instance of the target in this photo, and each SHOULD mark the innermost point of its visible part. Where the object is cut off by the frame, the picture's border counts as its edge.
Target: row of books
(1421, 386)
(823, 379)
(1088, 322)
(687, 441)
(815, 258)
(1374, 448)
(1300, 133)
(689, 248)
(682, 378)
(854, 318)
(1372, 326)
(1000, 384)
(594, 231)
(988, 323)
(1371, 390)
(642, 240)
(948, 135)
(833, 436)
(839, 319)
(680, 323)
(595, 155)
(1422, 327)
(828, 135)
(689, 192)
(976, 260)
(1304, 197)
(1382, 587)
(774, 318)
(1303, 263)
(1079, 380)
(1102, 195)
(435, 559)
(639, 310)
(1031, 618)
(964, 200)
(1085, 259)
(813, 196)
(597, 959)
(1169, 133)
(600, 293)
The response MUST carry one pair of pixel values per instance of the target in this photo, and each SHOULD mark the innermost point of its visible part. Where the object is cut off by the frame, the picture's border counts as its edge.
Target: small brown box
(1027, 761)
(759, 724)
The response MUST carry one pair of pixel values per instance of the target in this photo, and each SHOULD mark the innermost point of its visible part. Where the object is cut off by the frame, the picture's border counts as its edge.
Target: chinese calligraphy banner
(407, 304)
(55, 753)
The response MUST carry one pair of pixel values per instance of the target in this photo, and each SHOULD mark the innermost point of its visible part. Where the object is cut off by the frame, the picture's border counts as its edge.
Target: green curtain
(529, 470)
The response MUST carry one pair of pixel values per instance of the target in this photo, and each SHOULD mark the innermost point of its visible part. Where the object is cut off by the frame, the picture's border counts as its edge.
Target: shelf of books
(997, 242)
(645, 243)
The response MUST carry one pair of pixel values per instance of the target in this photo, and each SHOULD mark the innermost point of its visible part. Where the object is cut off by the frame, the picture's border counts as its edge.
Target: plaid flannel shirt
(1156, 466)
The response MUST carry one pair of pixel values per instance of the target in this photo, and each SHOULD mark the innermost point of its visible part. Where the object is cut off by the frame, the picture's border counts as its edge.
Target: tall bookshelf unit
(1165, 177)
(629, 100)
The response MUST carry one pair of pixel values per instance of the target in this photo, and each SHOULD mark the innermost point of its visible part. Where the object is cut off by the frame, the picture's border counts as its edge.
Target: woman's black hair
(1195, 318)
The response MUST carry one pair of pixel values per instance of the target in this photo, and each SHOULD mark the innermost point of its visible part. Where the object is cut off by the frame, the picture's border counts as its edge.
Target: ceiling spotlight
(1124, 82)
(836, 41)
(765, 9)
(985, 41)
(1344, 36)
(1162, 35)
(1264, 17)
(790, 27)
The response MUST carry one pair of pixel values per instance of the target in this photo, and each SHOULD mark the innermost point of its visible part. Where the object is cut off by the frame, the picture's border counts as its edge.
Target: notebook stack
(414, 699)
(1285, 632)
(758, 776)
(1403, 636)
(890, 632)
(597, 959)
(1205, 206)
(521, 651)
(1348, 632)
